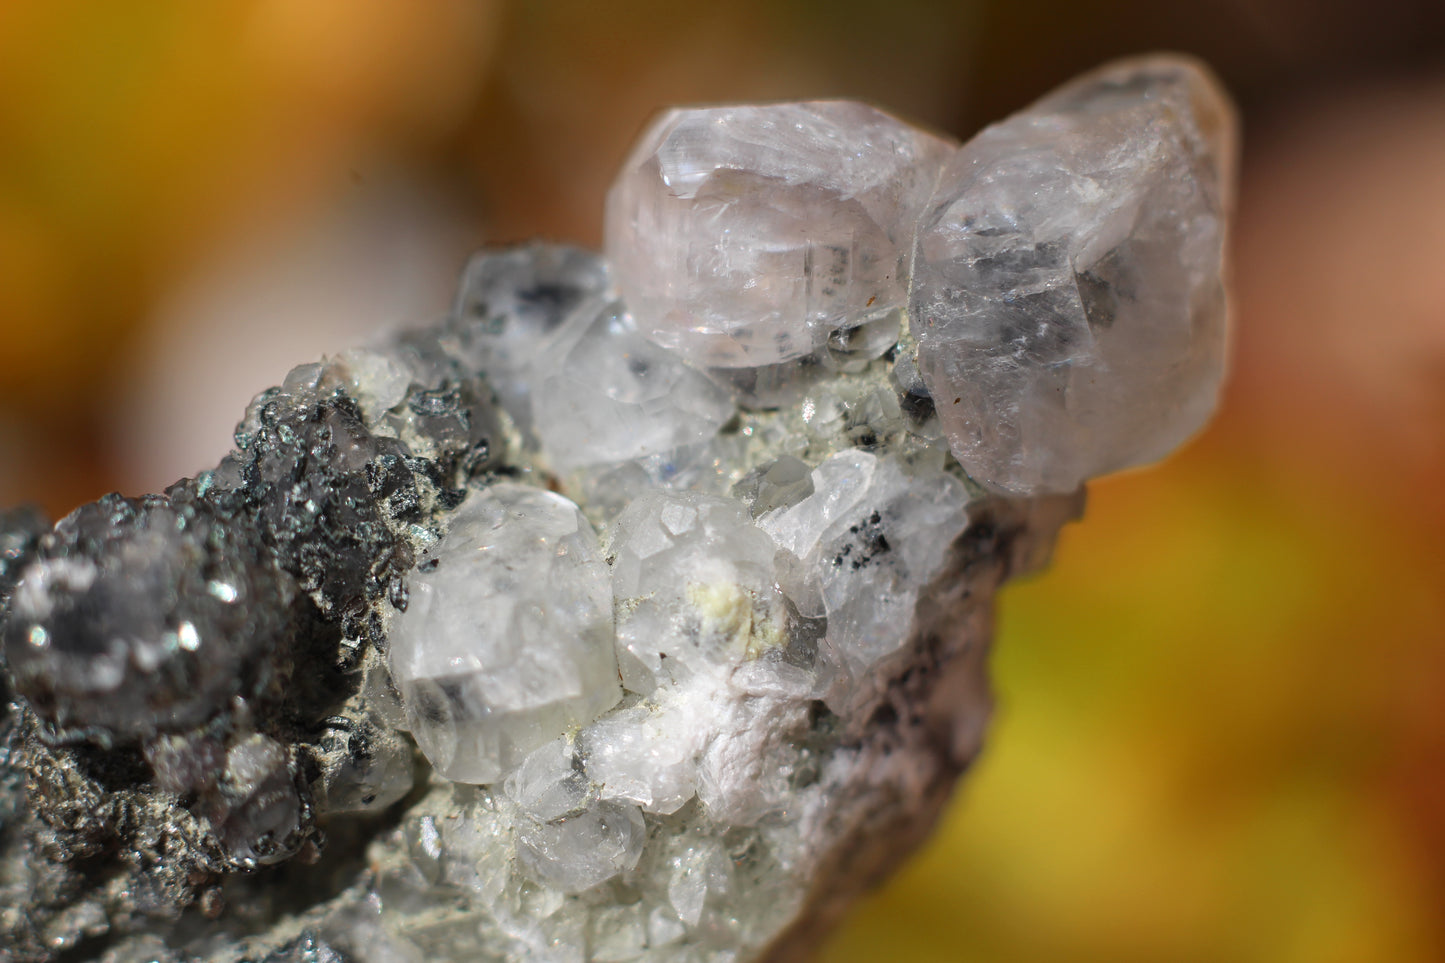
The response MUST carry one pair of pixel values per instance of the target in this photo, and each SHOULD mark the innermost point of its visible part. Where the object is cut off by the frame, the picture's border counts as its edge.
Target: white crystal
(507, 639)
(550, 782)
(376, 379)
(603, 393)
(1067, 294)
(693, 578)
(509, 305)
(472, 848)
(647, 755)
(701, 870)
(745, 236)
(861, 548)
(576, 853)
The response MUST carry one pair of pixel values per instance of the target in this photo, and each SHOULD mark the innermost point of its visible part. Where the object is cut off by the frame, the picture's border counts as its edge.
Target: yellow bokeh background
(1220, 731)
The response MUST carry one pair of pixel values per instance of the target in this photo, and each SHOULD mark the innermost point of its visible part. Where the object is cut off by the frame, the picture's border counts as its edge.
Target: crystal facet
(1067, 294)
(747, 236)
(507, 638)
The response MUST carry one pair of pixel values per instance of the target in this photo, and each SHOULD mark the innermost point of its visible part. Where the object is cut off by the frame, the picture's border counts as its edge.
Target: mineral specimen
(638, 610)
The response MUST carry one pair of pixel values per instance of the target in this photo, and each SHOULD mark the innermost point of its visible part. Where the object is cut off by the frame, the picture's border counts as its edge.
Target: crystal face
(638, 610)
(693, 577)
(746, 236)
(507, 637)
(1067, 295)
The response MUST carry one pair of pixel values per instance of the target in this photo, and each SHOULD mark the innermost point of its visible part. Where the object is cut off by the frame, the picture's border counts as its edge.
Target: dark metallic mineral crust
(188, 669)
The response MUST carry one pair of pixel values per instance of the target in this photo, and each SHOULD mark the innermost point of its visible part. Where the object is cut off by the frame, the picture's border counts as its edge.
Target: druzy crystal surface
(638, 609)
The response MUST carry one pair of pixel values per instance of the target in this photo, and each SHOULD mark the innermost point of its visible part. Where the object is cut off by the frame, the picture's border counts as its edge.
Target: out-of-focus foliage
(1219, 735)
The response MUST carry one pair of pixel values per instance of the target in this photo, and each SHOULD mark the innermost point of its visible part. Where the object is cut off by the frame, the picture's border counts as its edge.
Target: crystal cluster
(637, 611)
(507, 637)
(1062, 270)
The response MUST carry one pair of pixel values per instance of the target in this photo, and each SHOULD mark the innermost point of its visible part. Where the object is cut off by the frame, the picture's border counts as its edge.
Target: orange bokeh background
(1221, 735)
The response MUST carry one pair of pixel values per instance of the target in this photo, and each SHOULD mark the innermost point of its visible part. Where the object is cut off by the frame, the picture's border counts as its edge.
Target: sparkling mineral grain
(636, 611)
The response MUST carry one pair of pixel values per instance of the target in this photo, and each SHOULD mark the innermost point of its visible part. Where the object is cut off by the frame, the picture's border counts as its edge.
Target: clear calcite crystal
(605, 394)
(747, 236)
(635, 611)
(507, 636)
(858, 550)
(693, 578)
(1067, 294)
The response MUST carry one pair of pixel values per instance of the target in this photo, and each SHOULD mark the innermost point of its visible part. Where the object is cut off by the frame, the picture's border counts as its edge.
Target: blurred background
(1221, 721)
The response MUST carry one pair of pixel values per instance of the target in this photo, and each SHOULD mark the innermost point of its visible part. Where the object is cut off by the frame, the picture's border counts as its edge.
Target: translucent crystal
(507, 639)
(378, 381)
(603, 393)
(143, 616)
(701, 869)
(746, 236)
(694, 584)
(695, 737)
(259, 806)
(648, 755)
(508, 305)
(777, 484)
(576, 853)
(1067, 293)
(861, 548)
(366, 766)
(550, 783)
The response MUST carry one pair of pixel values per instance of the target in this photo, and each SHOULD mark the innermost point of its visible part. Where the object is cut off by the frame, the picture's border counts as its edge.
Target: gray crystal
(779, 484)
(141, 616)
